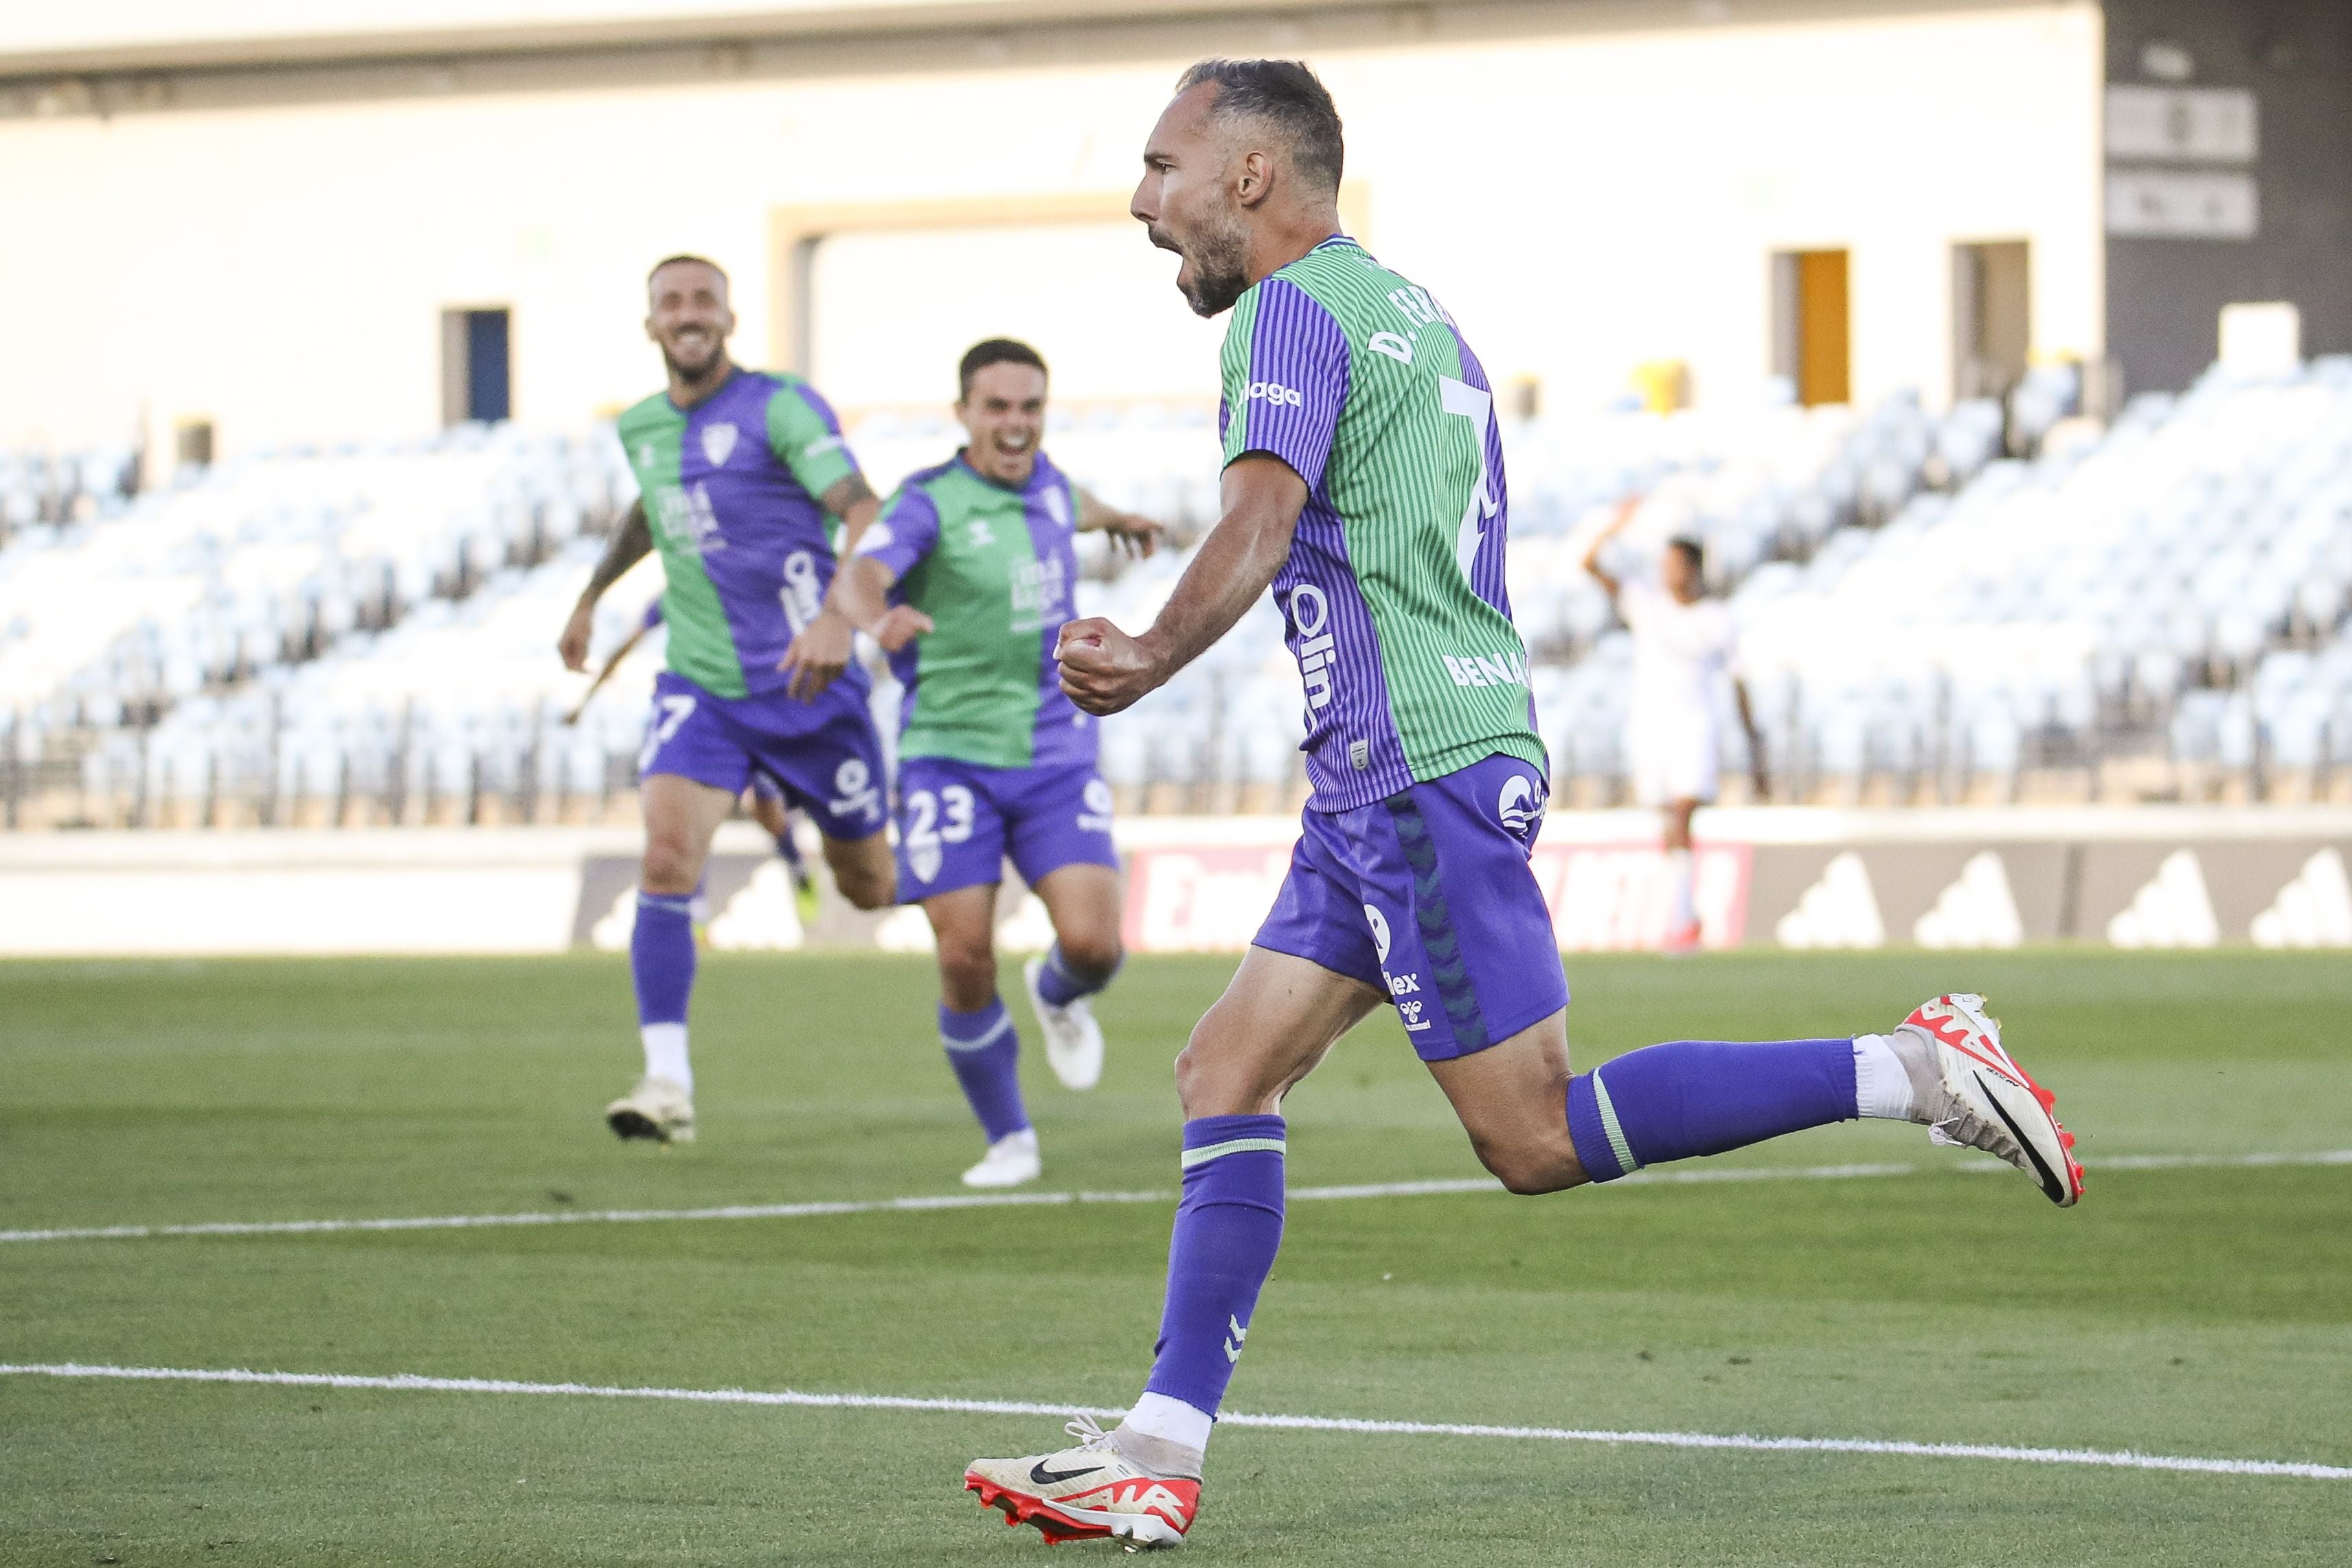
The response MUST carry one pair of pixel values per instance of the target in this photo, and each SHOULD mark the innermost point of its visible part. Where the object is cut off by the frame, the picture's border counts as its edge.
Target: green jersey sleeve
(806, 438)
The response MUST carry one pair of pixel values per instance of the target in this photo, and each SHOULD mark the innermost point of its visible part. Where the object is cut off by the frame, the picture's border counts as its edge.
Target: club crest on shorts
(718, 443)
(1097, 799)
(1380, 923)
(1518, 807)
(923, 860)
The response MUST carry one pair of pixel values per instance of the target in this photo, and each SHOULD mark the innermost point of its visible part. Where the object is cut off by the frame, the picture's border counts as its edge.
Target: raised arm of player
(630, 541)
(1616, 525)
(1137, 535)
(1104, 670)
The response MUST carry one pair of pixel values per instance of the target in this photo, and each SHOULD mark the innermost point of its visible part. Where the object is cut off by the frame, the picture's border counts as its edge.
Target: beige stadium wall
(1582, 203)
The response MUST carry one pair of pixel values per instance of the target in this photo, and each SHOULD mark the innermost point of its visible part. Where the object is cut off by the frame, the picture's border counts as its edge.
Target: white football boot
(1108, 1487)
(657, 1108)
(1969, 1091)
(1010, 1160)
(1073, 1041)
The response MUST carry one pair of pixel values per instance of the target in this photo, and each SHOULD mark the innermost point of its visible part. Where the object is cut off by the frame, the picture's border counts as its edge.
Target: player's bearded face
(690, 319)
(1214, 245)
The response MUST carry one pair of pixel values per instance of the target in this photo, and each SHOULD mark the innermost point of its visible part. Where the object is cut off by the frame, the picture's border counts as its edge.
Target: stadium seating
(366, 634)
(2100, 602)
(41, 486)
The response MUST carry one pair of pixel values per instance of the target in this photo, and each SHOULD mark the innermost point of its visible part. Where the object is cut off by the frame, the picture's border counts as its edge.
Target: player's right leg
(951, 859)
(977, 1031)
(682, 814)
(1286, 1006)
(1682, 883)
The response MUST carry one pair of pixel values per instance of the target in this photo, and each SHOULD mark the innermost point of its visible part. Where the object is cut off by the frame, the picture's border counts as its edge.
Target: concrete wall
(2165, 295)
(1583, 200)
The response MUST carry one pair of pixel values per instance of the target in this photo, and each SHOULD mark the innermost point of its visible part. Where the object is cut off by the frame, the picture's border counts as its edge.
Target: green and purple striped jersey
(1392, 596)
(993, 566)
(731, 493)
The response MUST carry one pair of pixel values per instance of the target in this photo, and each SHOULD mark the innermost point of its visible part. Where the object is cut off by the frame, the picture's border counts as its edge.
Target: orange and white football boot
(1095, 1492)
(1969, 1091)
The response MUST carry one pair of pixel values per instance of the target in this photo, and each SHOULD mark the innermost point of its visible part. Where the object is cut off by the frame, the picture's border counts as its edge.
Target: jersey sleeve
(806, 438)
(904, 533)
(1285, 377)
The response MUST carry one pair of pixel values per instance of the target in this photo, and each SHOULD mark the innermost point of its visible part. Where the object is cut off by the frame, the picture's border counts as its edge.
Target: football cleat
(1092, 1493)
(1681, 941)
(1073, 1041)
(1010, 1160)
(657, 1108)
(1970, 1091)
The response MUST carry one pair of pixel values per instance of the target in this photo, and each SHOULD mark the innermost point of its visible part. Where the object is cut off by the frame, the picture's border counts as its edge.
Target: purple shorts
(1426, 895)
(831, 767)
(958, 821)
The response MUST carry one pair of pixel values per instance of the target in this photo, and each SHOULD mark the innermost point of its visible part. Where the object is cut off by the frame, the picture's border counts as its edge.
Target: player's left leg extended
(1057, 830)
(1471, 935)
(1083, 903)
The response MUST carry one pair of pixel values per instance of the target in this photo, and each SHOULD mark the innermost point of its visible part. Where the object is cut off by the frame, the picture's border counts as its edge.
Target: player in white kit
(1685, 649)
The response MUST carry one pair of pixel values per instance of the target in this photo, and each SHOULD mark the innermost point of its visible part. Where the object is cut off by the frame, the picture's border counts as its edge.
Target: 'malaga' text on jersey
(1392, 597)
(993, 566)
(731, 492)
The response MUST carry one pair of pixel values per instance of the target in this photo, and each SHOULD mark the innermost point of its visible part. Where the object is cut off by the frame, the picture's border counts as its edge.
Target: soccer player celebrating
(1364, 482)
(1685, 645)
(965, 581)
(738, 472)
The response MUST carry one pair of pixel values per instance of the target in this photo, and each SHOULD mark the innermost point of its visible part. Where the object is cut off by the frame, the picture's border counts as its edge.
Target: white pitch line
(410, 1383)
(1670, 1177)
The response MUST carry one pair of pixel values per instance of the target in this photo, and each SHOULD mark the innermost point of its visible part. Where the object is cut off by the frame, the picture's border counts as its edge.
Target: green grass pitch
(2197, 1311)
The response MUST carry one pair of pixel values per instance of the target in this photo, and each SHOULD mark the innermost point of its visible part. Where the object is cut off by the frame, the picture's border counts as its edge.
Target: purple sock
(786, 848)
(661, 957)
(984, 1049)
(1703, 1096)
(1228, 1227)
(1060, 985)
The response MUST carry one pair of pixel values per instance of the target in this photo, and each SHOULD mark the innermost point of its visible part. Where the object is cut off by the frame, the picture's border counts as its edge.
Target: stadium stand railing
(365, 635)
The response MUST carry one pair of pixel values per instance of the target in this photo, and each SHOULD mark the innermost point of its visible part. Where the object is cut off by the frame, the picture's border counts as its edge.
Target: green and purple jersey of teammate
(731, 489)
(1392, 597)
(993, 567)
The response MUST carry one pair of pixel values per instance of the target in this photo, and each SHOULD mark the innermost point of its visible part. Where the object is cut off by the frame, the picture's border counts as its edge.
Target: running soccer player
(738, 472)
(1685, 648)
(1364, 482)
(965, 581)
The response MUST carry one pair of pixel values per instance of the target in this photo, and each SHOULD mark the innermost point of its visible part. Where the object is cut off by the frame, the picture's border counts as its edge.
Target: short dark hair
(1692, 552)
(1288, 94)
(686, 257)
(995, 352)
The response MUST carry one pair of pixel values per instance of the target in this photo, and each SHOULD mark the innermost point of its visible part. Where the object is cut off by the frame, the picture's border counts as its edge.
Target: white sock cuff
(1881, 1087)
(666, 1053)
(1159, 1415)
